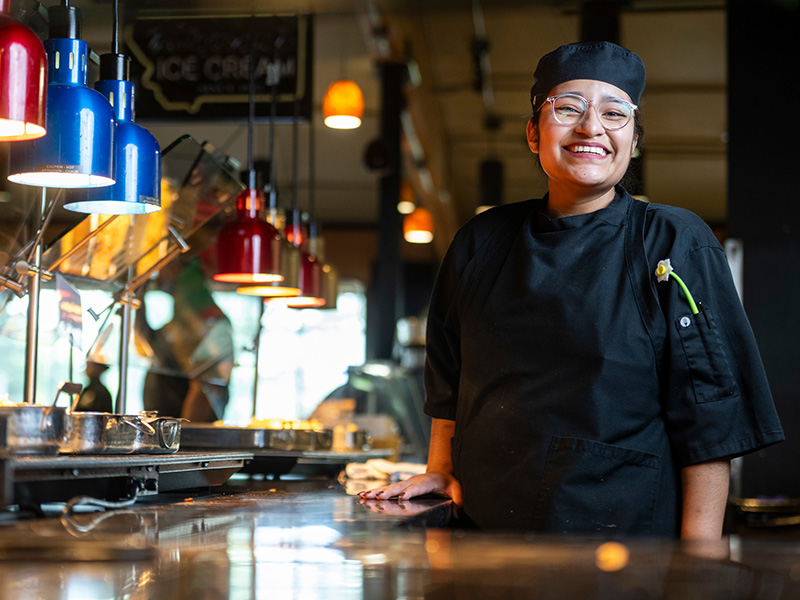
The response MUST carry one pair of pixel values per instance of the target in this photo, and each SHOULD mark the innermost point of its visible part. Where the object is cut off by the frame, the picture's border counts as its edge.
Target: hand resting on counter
(433, 482)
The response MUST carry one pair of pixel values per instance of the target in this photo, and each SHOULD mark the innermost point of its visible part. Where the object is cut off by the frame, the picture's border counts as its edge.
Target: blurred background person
(192, 354)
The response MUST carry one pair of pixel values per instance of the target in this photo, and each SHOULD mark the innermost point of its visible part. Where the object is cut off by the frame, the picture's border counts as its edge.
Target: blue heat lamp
(138, 156)
(77, 150)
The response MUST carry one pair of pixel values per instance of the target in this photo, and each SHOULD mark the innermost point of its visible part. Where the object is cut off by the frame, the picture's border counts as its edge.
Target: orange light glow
(612, 556)
(343, 105)
(418, 226)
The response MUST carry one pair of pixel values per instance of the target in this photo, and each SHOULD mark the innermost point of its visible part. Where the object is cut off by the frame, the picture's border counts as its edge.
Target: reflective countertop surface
(314, 539)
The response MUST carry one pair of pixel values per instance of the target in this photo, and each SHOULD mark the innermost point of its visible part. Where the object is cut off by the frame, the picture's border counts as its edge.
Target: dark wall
(764, 212)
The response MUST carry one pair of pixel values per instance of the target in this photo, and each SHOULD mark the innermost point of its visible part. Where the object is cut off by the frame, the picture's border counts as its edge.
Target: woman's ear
(533, 136)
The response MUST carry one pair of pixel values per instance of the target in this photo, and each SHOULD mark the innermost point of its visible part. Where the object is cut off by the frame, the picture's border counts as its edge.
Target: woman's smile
(588, 150)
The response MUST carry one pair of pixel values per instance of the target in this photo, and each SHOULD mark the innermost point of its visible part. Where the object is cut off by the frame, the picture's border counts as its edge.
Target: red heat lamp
(310, 283)
(249, 248)
(310, 277)
(23, 73)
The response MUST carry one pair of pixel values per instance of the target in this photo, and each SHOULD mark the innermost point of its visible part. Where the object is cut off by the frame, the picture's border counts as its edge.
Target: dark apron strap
(642, 278)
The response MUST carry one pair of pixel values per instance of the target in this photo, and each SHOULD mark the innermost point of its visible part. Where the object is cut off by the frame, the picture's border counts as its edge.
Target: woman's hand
(401, 508)
(433, 482)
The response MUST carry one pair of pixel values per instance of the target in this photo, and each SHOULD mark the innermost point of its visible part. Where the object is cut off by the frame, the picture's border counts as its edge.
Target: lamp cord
(295, 176)
(273, 77)
(312, 208)
(252, 114)
(115, 33)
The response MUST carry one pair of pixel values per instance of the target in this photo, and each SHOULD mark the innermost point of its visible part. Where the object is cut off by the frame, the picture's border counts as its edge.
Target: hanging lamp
(249, 248)
(138, 157)
(23, 73)
(330, 285)
(310, 275)
(78, 148)
(418, 226)
(310, 279)
(330, 275)
(343, 105)
(406, 204)
(288, 287)
(309, 271)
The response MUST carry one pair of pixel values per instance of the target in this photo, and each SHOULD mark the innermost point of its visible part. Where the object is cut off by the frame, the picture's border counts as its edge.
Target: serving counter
(313, 538)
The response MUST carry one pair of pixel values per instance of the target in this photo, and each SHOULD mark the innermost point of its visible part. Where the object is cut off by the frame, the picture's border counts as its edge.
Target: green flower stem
(688, 294)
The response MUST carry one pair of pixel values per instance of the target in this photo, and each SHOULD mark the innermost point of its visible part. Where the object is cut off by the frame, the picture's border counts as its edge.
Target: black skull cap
(601, 61)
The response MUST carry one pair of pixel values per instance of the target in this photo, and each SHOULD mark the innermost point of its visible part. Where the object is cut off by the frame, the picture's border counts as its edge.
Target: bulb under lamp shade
(290, 268)
(404, 207)
(249, 248)
(343, 105)
(418, 226)
(138, 157)
(406, 204)
(23, 73)
(78, 148)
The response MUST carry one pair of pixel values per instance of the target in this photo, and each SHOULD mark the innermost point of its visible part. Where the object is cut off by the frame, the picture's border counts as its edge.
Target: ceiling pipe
(483, 66)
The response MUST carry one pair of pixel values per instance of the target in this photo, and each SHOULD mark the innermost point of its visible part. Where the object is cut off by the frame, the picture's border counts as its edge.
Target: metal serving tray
(197, 435)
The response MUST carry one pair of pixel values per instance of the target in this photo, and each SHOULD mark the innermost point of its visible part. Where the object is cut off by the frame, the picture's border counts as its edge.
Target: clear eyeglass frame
(604, 121)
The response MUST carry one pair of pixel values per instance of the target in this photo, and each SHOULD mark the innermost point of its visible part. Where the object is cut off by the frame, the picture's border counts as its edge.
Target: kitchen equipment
(166, 434)
(31, 429)
(211, 436)
(105, 433)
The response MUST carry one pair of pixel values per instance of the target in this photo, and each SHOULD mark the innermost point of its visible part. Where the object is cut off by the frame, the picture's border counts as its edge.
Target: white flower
(663, 270)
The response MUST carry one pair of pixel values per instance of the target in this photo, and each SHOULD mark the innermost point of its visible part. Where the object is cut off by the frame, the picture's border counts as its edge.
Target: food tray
(198, 435)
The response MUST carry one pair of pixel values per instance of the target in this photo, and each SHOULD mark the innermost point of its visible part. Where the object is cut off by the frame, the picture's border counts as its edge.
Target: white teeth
(588, 150)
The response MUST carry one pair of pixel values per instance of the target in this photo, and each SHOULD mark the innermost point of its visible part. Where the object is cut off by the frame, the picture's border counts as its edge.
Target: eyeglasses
(571, 109)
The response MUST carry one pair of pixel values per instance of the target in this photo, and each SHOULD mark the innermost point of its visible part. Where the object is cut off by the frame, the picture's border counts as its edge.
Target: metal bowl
(98, 433)
(32, 429)
(106, 433)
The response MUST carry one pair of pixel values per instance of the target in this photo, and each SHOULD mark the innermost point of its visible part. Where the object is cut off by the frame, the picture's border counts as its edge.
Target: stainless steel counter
(313, 539)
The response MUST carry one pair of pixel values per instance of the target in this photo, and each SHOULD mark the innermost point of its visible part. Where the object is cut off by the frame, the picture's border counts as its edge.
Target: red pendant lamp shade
(249, 248)
(23, 80)
(289, 286)
(310, 283)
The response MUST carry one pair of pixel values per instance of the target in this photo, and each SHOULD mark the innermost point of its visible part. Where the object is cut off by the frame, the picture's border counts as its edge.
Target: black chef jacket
(579, 385)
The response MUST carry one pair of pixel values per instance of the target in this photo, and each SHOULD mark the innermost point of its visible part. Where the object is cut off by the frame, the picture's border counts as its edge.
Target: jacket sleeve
(717, 400)
(443, 343)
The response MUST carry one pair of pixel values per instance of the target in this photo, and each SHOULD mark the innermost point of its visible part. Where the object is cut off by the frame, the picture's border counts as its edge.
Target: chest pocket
(710, 372)
(592, 487)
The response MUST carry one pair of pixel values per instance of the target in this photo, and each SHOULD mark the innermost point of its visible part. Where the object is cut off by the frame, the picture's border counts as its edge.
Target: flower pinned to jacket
(664, 271)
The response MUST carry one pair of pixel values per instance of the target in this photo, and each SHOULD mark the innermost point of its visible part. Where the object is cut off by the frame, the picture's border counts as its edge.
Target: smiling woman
(568, 392)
